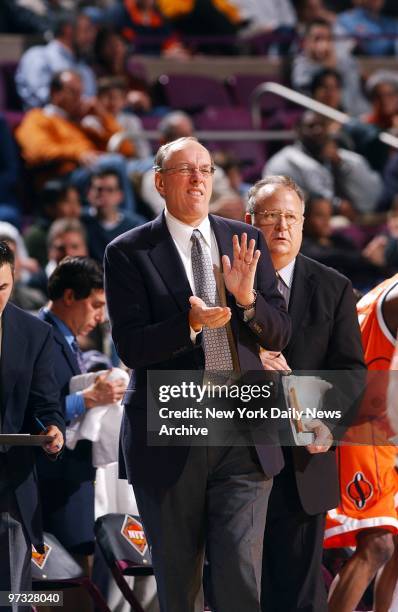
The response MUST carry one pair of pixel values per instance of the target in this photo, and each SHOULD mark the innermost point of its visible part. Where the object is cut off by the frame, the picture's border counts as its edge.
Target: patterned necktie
(79, 356)
(217, 352)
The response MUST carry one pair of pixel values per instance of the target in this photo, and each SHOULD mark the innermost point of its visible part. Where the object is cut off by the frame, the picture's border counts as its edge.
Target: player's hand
(239, 276)
(201, 315)
(323, 437)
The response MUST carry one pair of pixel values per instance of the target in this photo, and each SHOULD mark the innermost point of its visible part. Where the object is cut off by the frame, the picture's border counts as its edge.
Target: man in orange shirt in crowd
(71, 135)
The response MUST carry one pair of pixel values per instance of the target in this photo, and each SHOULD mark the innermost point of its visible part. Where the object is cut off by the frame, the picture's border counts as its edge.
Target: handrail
(308, 103)
(220, 135)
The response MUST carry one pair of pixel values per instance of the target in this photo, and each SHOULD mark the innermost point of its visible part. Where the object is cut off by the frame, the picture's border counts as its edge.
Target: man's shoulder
(137, 237)
(26, 321)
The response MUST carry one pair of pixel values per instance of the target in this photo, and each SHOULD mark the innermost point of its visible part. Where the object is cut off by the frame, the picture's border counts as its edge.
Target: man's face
(69, 207)
(329, 92)
(84, 35)
(318, 43)
(386, 99)
(282, 236)
(317, 223)
(113, 100)
(84, 315)
(69, 243)
(313, 132)
(6, 284)
(105, 192)
(184, 187)
(69, 98)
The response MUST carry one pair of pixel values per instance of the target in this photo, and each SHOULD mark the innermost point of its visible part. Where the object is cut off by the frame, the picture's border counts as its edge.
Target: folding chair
(57, 570)
(123, 544)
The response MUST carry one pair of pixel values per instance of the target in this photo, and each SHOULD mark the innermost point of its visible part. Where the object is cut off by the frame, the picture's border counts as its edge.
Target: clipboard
(24, 440)
(301, 437)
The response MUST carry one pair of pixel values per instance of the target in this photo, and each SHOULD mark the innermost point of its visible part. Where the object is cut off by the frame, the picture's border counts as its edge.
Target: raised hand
(239, 276)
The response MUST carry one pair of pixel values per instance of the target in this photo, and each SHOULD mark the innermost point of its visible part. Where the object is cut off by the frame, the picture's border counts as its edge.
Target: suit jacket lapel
(13, 351)
(66, 350)
(166, 259)
(302, 290)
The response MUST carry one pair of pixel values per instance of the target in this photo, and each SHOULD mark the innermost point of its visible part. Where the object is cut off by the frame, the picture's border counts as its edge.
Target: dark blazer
(73, 465)
(68, 512)
(148, 300)
(325, 336)
(28, 389)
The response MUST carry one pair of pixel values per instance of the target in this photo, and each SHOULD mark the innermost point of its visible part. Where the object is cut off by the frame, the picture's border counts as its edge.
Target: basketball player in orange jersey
(367, 516)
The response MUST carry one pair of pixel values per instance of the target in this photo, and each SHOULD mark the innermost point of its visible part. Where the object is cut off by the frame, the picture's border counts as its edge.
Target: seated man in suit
(29, 401)
(77, 297)
(168, 313)
(325, 336)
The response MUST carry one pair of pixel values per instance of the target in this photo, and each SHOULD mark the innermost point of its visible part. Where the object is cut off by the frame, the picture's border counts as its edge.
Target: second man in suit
(325, 336)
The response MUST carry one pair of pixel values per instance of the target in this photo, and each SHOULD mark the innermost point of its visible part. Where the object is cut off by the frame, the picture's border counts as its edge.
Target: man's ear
(159, 183)
(68, 297)
(248, 218)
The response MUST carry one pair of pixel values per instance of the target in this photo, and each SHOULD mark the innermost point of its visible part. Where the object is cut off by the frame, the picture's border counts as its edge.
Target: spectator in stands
(104, 220)
(382, 89)
(374, 33)
(319, 166)
(143, 25)
(39, 64)
(22, 295)
(319, 52)
(58, 200)
(112, 60)
(9, 172)
(68, 136)
(177, 125)
(66, 237)
(313, 10)
(385, 244)
(267, 16)
(114, 97)
(335, 250)
(327, 87)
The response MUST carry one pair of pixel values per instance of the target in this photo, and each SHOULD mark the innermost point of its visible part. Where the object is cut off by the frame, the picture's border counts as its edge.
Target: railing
(308, 103)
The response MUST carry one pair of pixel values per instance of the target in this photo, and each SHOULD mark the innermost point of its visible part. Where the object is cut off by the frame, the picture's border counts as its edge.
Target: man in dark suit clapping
(168, 313)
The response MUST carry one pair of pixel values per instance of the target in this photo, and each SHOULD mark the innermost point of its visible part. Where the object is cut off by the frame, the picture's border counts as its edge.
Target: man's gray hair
(278, 181)
(169, 125)
(164, 150)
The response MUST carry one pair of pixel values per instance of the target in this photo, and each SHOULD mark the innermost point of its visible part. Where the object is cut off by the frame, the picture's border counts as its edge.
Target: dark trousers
(15, 547)
(217, 505)
(293, 544)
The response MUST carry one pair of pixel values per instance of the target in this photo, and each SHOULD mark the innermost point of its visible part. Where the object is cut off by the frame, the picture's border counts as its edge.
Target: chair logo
(40, 559)
(359, 490)
(133, 532)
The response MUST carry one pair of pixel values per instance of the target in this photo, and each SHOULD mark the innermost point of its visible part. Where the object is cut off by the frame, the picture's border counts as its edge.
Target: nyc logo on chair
(40, 559)
(133, 532)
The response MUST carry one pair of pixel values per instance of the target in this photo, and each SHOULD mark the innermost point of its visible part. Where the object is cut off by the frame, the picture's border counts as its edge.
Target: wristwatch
(251, 305)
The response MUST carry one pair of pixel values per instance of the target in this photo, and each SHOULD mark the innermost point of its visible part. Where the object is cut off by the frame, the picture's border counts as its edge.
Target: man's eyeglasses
(272, 217)
(186, 170)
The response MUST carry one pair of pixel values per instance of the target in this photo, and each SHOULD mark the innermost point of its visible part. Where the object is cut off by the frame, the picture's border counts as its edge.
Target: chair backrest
(243, 85)
(251, 152)
(192, 93)
(12, 101)
(122, 539)
(55, 564)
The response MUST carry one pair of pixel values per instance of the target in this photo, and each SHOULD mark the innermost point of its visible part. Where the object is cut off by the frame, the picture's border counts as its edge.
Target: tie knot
(196, 235)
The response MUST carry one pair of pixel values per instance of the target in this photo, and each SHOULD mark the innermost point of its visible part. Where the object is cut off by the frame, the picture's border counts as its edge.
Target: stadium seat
(57, 570)
(193, 93)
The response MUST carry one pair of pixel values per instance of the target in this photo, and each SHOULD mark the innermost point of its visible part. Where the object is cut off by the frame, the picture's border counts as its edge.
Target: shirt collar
(62, 327)
(182, 232)
(286, 273)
